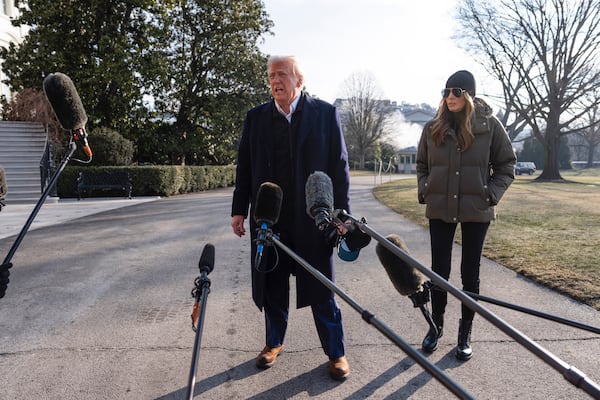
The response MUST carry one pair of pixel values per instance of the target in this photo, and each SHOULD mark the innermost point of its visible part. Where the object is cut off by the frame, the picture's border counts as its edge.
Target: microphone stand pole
(437, 373)
(570, 373)
(535, 313)
(7, 264)
(200, 292)
(420, 300)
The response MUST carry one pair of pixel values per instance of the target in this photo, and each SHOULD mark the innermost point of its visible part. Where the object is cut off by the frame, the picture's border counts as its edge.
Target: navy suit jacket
(319, 146)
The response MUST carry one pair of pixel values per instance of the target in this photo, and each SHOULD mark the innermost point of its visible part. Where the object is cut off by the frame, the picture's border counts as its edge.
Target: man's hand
(237, 224)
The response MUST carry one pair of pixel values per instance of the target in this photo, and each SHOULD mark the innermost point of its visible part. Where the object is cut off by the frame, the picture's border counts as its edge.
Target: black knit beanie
(462, 79)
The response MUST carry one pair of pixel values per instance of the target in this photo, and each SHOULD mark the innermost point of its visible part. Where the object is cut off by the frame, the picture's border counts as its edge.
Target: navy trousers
(327, 315)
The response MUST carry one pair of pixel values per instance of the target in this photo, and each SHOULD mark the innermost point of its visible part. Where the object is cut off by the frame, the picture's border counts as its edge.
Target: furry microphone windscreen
(405, 278)
(318, 193)
(65, 101)
(268, 203)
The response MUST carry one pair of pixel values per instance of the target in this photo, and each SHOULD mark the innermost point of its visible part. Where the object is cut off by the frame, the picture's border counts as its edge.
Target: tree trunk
(590, 158)
(551, 171)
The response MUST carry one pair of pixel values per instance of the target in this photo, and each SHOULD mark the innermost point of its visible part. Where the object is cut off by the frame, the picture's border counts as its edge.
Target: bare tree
(33, 106)
(364, 114)
(587, 139)
(546, 54)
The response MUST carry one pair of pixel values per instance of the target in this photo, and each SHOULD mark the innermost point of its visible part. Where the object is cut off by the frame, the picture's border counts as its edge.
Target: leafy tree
(108, 49)
(216, 73)
(546, 54)
(185, 68)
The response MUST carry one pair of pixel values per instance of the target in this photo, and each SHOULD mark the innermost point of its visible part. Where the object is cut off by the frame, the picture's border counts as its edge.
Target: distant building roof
(418, 116)
(408, 150)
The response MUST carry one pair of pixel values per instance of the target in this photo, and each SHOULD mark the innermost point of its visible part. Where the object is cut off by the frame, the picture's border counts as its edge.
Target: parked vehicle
(525, 168)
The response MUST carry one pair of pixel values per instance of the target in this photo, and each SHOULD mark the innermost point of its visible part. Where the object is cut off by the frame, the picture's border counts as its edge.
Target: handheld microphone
(266, 213)
(207, 259)
(319, 199)
(66, 103)
(405, 278)
(202, 283)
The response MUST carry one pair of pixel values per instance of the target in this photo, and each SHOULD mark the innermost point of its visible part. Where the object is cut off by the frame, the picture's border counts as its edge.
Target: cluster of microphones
(319, 206)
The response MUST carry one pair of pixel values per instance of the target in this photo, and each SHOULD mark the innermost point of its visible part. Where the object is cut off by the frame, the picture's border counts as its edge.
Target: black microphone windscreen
(318, 192)
(268, 203)
(65, 101)
(405, 278)
(207, 259)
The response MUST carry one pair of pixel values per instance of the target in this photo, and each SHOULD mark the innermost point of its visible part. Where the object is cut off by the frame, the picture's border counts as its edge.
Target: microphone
(319, 199)
(202, 283)
(266, 213)
(405, 278)
(66, 103)
(207, 259)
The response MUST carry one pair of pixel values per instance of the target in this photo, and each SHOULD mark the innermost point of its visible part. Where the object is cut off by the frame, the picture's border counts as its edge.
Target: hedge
(157, 180)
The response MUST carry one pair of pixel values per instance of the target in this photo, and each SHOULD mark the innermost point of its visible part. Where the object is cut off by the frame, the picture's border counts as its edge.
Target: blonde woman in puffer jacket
(465, 164)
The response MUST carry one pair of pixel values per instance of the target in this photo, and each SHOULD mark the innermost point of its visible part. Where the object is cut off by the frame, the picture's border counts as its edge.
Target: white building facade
(8, 34)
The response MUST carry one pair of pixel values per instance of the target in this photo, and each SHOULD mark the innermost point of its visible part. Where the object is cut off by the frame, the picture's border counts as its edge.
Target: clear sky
(406, 44)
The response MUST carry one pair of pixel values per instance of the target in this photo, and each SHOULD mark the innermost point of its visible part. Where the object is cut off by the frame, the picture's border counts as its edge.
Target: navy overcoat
(320, 146)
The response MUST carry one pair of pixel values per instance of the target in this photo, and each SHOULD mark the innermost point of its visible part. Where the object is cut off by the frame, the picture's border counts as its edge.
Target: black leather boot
(430, 343)
(464, 350)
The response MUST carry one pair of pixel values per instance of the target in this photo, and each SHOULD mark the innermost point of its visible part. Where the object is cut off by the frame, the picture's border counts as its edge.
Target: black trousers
(442, 238)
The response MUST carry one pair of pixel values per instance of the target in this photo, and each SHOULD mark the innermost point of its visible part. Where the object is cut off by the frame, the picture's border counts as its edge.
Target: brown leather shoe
(339, 369)
(267, 356)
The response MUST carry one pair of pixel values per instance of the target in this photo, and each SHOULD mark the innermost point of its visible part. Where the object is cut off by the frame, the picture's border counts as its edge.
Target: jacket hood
(482, 108)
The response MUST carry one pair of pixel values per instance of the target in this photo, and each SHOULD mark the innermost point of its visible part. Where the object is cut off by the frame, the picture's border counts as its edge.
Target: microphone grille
(318, 192)
(207, 258)
(268, 203)
(65, 101)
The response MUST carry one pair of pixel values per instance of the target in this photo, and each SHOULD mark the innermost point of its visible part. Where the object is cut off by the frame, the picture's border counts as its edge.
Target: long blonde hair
(460, 121)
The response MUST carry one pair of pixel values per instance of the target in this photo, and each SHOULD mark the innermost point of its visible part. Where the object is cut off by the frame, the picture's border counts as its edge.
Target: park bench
(89, 182)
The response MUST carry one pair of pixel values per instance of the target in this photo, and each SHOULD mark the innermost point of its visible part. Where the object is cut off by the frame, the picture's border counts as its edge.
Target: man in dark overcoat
(284, 141)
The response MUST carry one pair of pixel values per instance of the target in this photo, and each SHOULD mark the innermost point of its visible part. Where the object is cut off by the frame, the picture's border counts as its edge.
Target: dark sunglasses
(456, 92)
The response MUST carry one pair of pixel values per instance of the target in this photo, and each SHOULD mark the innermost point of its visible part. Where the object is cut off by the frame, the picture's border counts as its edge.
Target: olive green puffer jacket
(465, 186)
